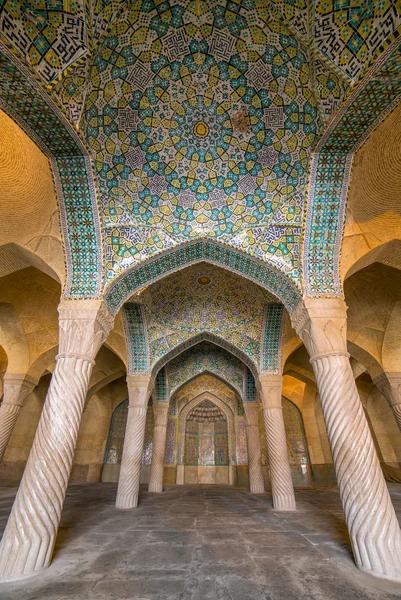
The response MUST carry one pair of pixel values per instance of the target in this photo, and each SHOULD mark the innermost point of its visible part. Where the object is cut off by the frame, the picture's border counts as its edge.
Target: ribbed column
(131, 462)
(16, 389)
(160, 410)
(256, 484)
(372, 524)
(390, 386)
(29, 538)
(276, 439)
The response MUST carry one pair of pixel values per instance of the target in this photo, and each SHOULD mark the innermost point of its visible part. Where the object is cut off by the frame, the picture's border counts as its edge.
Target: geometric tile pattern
(25, 101)
(201, 298)
(331, 88)
(148, 441)
(161, 386)
(249, 387)
(261, 273)
(351, 32)
(51, 35)
(205, 336)
(330, 170)
(201, 123)
(205, 357)
(136, 338)
(271, 336)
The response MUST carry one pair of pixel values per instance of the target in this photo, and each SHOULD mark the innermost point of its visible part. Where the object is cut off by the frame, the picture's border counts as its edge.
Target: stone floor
(199, 543)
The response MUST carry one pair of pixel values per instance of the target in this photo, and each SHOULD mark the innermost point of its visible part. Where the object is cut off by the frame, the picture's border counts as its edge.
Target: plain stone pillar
(372, 524)
(29, 538)
(160, 410)
(256, 484)
(16, 389)
(131, 462)
(390, 386)
(280, 472)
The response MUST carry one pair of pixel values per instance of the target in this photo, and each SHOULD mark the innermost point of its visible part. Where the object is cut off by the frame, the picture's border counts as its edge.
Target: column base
(155, 488)
(23, 576)
(126, 502)
(231, 475)
(257, 490)
(284, 504)
(180, 475)
(379, 575)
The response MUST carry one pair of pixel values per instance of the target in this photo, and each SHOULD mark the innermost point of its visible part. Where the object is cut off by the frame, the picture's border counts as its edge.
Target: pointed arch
(205, 336)
(262, 273)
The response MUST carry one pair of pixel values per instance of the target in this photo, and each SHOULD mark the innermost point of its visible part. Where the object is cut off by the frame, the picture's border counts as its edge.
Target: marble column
(256, 484)
(372, 524)
(280, 472)
(139, 388)
(29, 537)
(160, 410)
(390, 386)
(16, 389)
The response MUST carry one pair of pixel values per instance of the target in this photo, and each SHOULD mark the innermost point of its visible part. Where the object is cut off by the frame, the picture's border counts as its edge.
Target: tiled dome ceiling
(202, 117)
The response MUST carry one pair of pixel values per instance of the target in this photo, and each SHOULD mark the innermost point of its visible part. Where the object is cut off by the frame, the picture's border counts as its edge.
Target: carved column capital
(321, 323)
(271, 387)
(140, 386)
(160, 411)
(252, 414)
(17, 387)
(83, 327)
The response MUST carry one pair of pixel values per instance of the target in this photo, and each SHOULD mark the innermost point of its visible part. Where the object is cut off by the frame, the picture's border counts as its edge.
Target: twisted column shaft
(158, 447)
(371, 520)
(280, 472)
(256, 484)
(16, 390)
(29, 538)
(131, 462)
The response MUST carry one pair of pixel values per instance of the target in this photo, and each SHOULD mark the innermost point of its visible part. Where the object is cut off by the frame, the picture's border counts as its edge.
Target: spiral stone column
(160, 410)
(372, 524)
(256, 484)
(131, 462)
(16, 389)
(29, 537)
(280, 472)
(390, 386)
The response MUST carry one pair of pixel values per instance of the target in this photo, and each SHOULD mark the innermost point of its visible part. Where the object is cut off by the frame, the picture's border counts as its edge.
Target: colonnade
(29, 538)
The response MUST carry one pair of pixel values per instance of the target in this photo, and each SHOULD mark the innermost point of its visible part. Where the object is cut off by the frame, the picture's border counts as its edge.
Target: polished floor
(200, 543)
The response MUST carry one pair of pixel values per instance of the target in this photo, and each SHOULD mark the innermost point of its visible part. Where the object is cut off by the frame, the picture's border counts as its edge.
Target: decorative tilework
(115, 440)
(148, 440)
(330, 170)
(136, 339)
(331, 88)
(24, 100)
(259, 272)
(205, 357)
(82, 236)
(204, 297)
(171, 442)
(51, 35)
(205, 336)
(352, 32)
(249, 387)
(242, 448)
(202, 160)
(161, 386)
(271, 336)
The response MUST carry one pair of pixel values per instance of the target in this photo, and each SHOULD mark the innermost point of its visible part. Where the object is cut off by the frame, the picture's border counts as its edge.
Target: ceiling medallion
(203, 280)
(201, 129)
